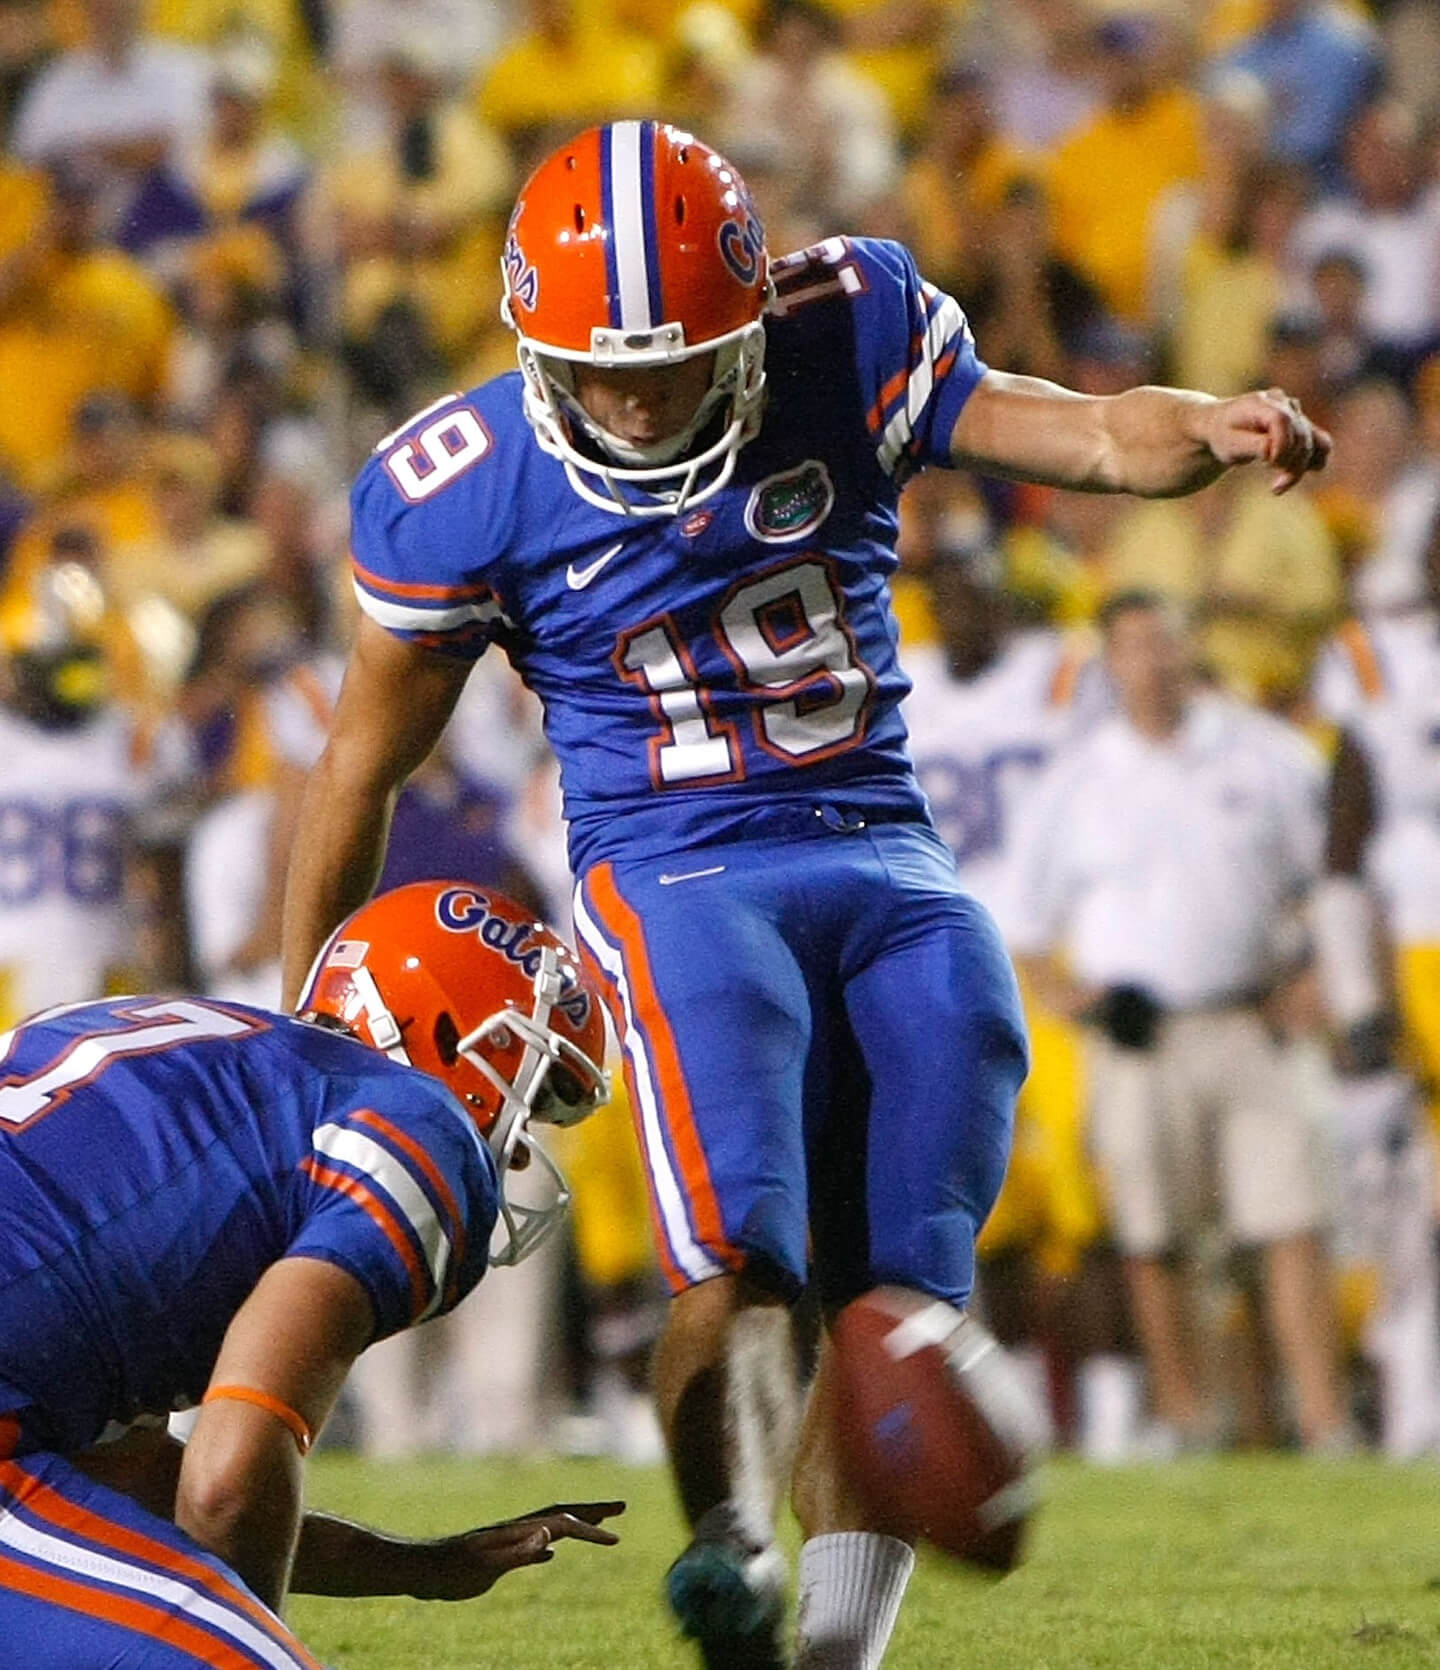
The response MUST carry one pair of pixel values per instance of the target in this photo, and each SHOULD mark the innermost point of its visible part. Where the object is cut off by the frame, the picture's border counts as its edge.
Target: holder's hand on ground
(471, 1562)
(1267, 427)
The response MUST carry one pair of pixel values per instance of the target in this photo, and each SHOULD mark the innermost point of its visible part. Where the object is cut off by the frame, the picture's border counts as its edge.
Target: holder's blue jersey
(157, 1155)
(694, 667)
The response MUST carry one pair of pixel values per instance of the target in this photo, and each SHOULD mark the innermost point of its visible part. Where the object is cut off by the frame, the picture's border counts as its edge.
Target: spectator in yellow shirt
(195, 555)
(417, 216)
(568, 68)
(1108, 176)
(97, 497)
(900, 46)
(76, 318)
(954, 185)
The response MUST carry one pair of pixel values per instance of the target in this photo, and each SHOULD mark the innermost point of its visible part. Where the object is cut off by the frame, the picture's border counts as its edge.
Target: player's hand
(1267, 427)
(471, 1562)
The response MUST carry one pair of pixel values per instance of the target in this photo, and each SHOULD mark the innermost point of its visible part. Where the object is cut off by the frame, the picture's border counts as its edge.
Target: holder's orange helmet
(464, 984)
(636, 245)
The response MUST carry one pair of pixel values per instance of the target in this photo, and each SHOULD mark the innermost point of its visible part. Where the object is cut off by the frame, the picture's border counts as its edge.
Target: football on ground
(935, 1429)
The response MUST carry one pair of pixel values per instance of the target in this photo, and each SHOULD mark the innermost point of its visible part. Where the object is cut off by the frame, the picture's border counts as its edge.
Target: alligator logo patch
(787, 506)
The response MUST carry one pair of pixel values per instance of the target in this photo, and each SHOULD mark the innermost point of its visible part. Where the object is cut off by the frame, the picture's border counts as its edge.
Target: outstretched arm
(336, 1557)
(1155, 442)
(393, 706)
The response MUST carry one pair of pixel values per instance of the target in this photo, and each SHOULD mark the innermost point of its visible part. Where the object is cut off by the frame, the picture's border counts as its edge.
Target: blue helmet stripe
(607, 211)
(647, 209)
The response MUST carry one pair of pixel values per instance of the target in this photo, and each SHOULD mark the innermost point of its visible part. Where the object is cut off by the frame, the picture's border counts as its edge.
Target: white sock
(851, 1585)
(1108, 1388)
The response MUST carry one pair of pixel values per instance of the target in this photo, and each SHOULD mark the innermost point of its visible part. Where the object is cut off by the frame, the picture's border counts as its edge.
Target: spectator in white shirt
(1388, 221)
(117, 108)
(800, 97)
(1157, 881)
(371, 34)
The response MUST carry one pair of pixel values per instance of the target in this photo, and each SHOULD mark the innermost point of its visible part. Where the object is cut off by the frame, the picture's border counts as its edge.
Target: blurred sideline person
(678, 520)
(1167, 856)
(212, 1205)
(1379, 681)
(620, 1297)
(258, 704)
(78, 785)
(476, 1384)
(1376, 920)
(615, 1287)
(993, 705)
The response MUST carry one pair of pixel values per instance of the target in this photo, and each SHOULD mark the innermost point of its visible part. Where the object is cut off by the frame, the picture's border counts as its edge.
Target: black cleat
(728, 1593)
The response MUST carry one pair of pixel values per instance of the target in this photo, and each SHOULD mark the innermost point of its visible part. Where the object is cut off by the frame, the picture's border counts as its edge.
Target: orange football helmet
(636, 245)
(466, 985)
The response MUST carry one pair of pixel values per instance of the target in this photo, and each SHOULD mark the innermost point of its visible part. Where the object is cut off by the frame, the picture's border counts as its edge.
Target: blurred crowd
(241, 240)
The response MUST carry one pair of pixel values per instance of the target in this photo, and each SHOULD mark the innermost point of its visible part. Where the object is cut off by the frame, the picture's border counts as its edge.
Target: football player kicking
(204, 1203)
(678, 520)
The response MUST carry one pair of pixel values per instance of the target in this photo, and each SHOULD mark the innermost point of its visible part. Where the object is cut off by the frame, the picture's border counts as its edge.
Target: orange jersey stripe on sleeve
(328, 1177)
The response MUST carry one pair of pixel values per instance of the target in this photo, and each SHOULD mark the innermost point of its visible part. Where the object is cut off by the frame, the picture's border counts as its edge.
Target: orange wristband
(299, 1426)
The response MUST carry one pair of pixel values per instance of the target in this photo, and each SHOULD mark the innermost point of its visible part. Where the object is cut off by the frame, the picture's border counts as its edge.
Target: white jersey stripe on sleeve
(947, 320)
(629, 210)
(687, 1252)
(365, 1155)
(411, 617)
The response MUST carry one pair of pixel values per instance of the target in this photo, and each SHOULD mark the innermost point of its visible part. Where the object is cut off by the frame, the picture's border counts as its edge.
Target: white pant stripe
(686, 1251)
(71, 1559)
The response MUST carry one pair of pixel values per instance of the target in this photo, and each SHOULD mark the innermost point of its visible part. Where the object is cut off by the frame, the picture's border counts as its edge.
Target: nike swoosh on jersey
(579, 578)
(691, 875)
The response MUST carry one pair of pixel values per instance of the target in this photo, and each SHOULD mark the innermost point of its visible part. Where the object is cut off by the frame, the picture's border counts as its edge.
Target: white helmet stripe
(627, 200)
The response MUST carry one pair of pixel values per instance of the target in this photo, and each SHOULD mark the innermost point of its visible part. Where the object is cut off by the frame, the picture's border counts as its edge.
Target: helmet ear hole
(447, 1038)
(579, 217)
(679, 211)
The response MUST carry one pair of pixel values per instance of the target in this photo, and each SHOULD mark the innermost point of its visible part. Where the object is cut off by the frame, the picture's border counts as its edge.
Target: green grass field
(1246, 1564)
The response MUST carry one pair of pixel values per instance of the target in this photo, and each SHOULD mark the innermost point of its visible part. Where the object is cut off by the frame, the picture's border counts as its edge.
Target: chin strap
(384, 1028)
(527, 1226)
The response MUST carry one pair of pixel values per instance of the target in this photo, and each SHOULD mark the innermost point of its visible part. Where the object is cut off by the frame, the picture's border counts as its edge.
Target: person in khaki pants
(1160, 874)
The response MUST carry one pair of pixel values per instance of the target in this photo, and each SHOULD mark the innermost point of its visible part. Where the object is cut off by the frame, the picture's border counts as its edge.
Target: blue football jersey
(694, 667)
(157, 1155)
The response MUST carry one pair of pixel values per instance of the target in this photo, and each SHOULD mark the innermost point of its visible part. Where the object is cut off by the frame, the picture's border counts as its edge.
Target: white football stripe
(627, 202)
(73, 1559)
(365, 1155)
(687, 1252)
(931, 1326)
(1016, 1500)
